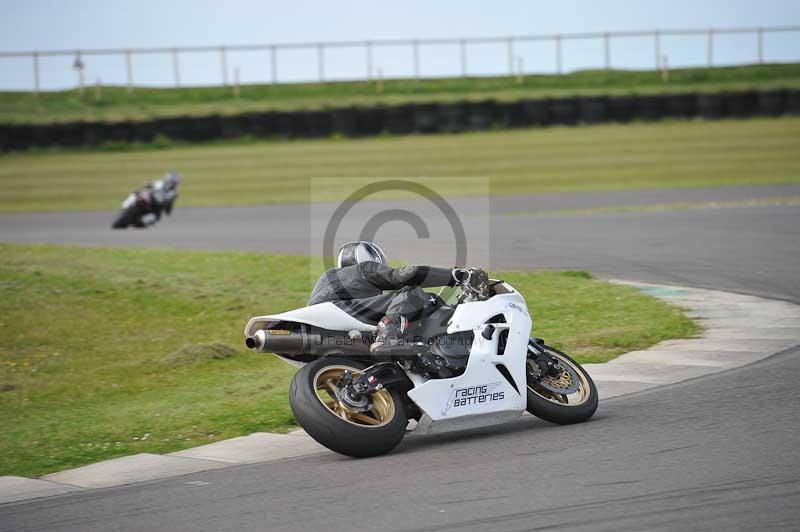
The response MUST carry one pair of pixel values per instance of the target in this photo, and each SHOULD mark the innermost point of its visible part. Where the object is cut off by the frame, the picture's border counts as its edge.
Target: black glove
(479, 280)
(460, 275)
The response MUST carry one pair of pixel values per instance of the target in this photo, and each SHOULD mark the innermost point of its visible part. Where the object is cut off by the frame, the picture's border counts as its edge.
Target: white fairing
(482, 389)
(481, 395)
(129, 201)
(324, 315)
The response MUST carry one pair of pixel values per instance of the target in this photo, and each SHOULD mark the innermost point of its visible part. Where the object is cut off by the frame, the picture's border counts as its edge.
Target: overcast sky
(57, 24)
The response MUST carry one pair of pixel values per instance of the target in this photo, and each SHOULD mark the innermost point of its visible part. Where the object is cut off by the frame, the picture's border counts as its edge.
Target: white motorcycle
(473, 364)
(143, 208)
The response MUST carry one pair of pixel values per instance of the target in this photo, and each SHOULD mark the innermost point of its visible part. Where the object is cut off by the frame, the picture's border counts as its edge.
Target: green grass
(117, 104)
(661, 207)
(602, 157)
(107, 352)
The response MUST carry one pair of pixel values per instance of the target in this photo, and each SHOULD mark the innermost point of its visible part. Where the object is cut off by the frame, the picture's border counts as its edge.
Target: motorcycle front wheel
(371, 432)
(565, 397)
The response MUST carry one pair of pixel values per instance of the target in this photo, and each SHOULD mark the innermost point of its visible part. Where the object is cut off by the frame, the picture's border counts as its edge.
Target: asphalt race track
(719, 452)
(750, 249)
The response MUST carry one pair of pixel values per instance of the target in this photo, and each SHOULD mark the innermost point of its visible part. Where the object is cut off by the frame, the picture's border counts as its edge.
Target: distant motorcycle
(143, 207)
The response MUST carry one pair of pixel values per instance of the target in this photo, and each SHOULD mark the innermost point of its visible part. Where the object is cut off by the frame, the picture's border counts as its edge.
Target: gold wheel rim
(565, 379)
(382, 411)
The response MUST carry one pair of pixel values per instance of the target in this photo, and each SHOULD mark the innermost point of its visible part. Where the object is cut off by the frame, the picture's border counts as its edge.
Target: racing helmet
(172, 180)
(360, 251)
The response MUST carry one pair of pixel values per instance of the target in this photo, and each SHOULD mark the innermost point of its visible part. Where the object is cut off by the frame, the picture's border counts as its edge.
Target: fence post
(657, 45)
(463, 47)
(607, 49)
(558, 53)
(368, 49)
(760, 35)
(223, 63)
(78, 65)
(415, 52)
(176, 68)
(321, 62)
(35, 73)
(510, 50)
(273, 63)
(710, 48)
(129, 70)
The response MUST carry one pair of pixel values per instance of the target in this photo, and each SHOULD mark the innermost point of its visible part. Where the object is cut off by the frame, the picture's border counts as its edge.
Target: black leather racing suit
(358, 290)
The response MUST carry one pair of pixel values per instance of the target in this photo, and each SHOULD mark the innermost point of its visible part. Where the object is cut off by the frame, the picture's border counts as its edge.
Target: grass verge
(662, 207)
(116, 104)
(603, 157)
(110, 352)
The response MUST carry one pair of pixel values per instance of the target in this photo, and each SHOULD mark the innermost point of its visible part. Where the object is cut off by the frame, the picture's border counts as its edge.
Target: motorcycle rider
(357, 286)
(152, 210)
(165, 190)
(158, 196)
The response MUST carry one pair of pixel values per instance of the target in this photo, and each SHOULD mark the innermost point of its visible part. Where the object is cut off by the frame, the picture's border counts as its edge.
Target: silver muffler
(280, 341)
(257, 341)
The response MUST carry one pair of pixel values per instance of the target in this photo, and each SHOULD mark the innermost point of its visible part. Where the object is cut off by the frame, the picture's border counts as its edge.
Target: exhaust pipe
(255, 342)
(281, 341)
(305, 341)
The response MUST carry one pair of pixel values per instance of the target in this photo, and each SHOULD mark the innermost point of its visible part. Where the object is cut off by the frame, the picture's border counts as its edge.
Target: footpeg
(405, 350)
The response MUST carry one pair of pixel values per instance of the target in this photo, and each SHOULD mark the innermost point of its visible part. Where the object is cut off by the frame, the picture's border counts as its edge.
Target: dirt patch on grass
(192, 353)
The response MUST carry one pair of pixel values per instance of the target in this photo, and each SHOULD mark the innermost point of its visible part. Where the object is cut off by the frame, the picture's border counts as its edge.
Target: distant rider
(151, 212)
(158, 196)
(165, 191)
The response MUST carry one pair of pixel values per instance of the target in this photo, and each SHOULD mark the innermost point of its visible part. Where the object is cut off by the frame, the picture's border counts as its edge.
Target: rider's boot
(390, 340)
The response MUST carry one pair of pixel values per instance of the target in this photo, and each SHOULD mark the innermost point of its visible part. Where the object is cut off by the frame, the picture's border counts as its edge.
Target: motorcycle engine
(447, 357)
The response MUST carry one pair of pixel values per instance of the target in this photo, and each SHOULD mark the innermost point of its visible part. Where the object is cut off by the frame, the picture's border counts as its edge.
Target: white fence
(511, 62)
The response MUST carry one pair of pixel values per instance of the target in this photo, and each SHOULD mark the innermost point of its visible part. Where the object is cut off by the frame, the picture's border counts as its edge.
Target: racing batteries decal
(474, 395)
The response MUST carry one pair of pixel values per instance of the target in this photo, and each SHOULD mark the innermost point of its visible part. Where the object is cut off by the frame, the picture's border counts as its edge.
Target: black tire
(124, 219)
(168, 207)
(562, 414)
(335, 433)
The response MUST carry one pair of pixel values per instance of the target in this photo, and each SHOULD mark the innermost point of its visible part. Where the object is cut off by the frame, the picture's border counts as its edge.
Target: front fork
(547, 365)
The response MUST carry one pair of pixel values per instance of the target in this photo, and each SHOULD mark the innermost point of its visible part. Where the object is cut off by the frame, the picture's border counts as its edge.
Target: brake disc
(565, 383)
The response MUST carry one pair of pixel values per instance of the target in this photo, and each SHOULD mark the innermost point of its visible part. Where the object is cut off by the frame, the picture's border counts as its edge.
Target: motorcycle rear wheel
(563, 409)
(312, 396)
